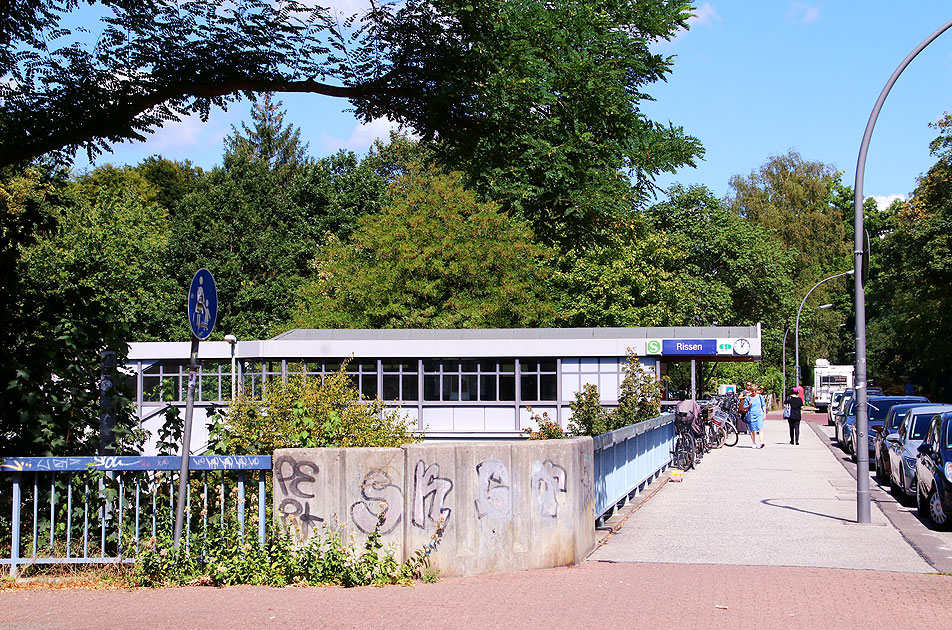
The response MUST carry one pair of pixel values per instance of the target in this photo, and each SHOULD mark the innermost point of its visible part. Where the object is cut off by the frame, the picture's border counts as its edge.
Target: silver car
(903, 448)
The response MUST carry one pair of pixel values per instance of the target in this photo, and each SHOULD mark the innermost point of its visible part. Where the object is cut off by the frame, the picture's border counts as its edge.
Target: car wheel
(879, 471)
(937, 516)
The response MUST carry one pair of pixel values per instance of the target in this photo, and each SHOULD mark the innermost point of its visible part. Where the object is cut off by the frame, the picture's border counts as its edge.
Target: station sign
(688, 346)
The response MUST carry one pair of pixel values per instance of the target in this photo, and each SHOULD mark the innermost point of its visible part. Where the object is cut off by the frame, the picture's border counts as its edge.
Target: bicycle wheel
(717, 436)
(683, 453)
(730, 433)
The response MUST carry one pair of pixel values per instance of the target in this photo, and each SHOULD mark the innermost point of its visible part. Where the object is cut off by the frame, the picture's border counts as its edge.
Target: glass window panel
(451, 387)
(391, 387)
(547, 365)
(431, 388)
(528, 366)
(354, 381)
(450, 365)
(608, 365)
(411, 384)
(468, 387)
(487, 387)
(507, 366)
(589, 365)
(296, 367)
(153, 369)
(368, 385)
(507, 387)
(570, 365)
(487, 366)
(171, 388)
(226, 387)
(314, 366)
(431, 365)
(368, 366)
(208, 388)
(530, 387)
(151, 388)
(390, 366)
(409, 366)
(332, 365)
(548, 387)
(468, 366)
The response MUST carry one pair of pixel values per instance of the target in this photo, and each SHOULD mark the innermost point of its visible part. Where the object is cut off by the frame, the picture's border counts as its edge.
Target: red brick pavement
(607, 595)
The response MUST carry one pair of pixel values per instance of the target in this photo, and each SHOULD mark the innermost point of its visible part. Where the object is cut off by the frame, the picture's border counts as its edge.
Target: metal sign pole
(202, 312)
(186, 443)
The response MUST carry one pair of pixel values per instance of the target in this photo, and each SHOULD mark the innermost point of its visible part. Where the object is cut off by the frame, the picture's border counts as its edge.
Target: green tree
(435, 258)
(76, 291)
(537, 102)
(268, 140)
(910, 331)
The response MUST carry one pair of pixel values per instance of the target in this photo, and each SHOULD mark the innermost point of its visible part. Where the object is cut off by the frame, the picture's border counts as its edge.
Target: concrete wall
(507, 506)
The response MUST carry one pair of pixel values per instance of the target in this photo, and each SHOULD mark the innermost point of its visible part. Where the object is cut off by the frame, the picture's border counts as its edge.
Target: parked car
(934, 473)
(840, 427)
(903, 448)
(889, 429)
(835, 401)
(879, 407)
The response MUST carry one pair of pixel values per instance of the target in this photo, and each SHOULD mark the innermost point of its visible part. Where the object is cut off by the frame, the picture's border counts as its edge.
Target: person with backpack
(792, 412)
(756, 409)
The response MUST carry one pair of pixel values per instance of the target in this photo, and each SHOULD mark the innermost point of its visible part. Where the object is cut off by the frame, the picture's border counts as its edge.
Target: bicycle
(684, 455)
(726, 416)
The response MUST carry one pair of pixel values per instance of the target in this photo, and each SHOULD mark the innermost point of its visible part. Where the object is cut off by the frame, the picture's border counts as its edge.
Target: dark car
(903, 448)
(840, 427)
(890, 428)
(879, 407)
(934, 473)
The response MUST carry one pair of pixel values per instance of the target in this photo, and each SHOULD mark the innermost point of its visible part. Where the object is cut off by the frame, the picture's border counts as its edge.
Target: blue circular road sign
(202, 304)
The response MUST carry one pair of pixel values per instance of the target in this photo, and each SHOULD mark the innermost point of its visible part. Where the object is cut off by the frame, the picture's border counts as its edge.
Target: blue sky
(751, 79)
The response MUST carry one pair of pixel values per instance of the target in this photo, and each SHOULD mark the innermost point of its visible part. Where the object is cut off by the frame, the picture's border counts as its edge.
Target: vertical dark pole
(107, 404)
(186, 443)
(862, 424)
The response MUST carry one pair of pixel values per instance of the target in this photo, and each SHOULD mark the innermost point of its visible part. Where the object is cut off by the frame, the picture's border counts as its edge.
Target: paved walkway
(783, 505)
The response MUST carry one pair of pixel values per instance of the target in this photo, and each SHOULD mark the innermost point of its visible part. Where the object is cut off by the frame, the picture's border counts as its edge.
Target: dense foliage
(308, 413)
(524, 201)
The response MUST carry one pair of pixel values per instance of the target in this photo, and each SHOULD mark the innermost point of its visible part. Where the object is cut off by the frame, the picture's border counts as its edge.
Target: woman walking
(756, 409)
(792, 407)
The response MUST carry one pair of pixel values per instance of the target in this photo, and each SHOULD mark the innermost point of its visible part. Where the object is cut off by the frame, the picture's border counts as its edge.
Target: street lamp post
(799, 310)
(232, 341)
(859, 253)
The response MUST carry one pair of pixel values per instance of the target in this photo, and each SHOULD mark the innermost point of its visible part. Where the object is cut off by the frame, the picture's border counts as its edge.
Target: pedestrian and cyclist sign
(202, 304)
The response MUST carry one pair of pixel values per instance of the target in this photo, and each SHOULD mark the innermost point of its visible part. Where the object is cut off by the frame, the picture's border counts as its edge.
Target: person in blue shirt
(753, 402)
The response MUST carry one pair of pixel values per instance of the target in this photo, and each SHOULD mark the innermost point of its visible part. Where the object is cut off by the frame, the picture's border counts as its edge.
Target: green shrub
(308, 413)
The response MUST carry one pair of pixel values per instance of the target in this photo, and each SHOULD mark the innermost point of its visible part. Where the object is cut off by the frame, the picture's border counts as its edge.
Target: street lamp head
(231, 339)
(851, 272)
(824, 306)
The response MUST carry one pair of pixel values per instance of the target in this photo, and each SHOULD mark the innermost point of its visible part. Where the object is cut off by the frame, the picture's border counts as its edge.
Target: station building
(452, 384)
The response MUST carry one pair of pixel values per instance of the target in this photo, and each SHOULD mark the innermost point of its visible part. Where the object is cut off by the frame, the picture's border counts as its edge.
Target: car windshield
(948, 433)
(895, 420)
(879, 409)
(920, 424)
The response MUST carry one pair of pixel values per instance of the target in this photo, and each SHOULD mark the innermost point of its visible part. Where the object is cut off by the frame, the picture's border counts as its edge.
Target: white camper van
(828, 379)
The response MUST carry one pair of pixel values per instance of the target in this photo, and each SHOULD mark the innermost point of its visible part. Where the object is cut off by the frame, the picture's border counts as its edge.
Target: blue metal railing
(122, 506)
(629, 458)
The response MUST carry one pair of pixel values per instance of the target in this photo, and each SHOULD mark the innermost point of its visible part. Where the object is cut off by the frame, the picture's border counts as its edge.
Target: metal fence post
(15, 527)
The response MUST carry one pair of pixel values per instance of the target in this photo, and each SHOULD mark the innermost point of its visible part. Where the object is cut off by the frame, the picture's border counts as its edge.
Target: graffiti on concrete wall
(548, 481)
(429, 495)
(493, 494)
(383, 501)
(296, 481)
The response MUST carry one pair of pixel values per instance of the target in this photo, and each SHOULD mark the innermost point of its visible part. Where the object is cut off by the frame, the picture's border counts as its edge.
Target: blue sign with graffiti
(689, 346)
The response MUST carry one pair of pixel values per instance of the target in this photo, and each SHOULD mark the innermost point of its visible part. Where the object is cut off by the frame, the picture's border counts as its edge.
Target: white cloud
(188, 132)
(804, 13)
(884, 201)
(706, 15)
(362, 136)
